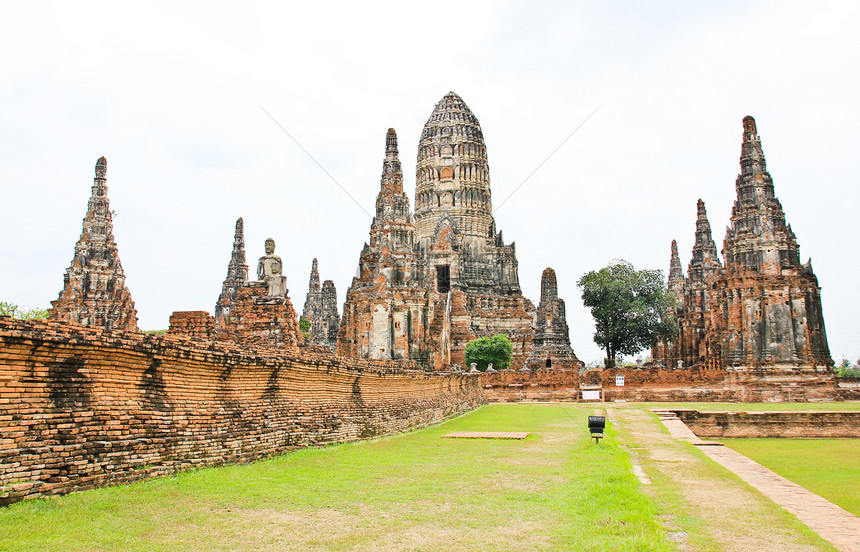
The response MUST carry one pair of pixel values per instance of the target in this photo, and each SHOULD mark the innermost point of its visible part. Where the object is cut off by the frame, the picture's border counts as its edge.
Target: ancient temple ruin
(320, 310)
(429, 283)
(94, 291)
(763, 308)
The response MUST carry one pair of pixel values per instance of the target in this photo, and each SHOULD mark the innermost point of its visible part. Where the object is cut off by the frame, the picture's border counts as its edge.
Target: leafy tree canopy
(485, 350)
(632, 309)
(16, 311)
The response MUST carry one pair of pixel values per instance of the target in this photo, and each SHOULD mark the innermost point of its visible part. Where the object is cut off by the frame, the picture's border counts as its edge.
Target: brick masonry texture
(82, 407)
(763, 308)
(723, 425)
(664, 385)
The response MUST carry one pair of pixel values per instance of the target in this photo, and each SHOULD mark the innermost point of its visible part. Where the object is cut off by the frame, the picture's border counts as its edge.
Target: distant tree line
(18, 312)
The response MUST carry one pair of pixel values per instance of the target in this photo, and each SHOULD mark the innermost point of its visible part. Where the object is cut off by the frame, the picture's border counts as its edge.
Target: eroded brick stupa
(428, 284)
(763, 308)
(94, 291)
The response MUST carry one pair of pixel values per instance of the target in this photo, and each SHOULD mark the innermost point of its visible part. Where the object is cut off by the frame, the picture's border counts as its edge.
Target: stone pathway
(834, 524)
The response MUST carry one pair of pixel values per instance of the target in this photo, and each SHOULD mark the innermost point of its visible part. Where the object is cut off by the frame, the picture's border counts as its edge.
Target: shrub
(486, 350)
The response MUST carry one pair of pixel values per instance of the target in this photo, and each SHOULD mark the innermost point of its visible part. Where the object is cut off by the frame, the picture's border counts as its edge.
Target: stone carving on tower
(94, 291)
(428, 284)
(552, 336)
(763, 309)
(237, 275)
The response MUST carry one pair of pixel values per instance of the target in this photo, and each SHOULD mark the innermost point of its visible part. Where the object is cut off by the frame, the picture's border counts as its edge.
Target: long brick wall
(784, 384)
(81, 408)
(820, 425)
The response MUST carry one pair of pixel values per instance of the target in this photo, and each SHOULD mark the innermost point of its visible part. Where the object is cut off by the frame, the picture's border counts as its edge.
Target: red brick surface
(80, 407)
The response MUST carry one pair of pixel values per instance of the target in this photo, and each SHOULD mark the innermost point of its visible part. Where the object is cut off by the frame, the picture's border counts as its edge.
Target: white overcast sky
(172, 93)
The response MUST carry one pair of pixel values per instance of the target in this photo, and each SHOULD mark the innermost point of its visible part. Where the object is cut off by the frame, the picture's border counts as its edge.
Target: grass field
(828, 467)
(418, 491)
(415, 491)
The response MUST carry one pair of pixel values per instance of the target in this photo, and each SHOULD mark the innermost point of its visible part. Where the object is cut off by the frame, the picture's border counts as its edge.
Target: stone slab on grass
(488, 435)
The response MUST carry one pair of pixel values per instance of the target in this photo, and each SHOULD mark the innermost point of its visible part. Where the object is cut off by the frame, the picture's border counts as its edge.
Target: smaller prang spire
(705, 259)
(676, 273)
(393, 220)
(94, 291)
(237, 273)
(392, 174)
(312, 300)
(758, 239)
(548, 286)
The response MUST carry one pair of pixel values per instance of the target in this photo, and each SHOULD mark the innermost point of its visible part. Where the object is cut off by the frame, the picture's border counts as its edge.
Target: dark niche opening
(443, 278)
(549, 363)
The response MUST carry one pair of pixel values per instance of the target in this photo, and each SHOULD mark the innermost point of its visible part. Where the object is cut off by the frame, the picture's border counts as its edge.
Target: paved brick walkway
(830, 521)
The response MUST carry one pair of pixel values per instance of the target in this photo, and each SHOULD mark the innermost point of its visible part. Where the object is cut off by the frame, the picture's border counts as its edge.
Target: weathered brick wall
(539, 385)
(661, 385)
(81, 408)
(716, 425)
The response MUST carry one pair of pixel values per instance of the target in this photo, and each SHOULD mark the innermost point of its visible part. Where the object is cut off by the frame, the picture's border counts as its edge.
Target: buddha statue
(264, 266)
(277, 283)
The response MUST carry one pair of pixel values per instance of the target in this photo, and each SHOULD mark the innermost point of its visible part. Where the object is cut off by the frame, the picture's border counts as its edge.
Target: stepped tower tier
(452, 176)
(94, 291)
(704, 261)
(758, 239)
(454, 228)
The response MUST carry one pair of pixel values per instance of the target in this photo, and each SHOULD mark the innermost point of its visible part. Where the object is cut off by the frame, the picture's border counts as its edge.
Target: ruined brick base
(815, 425)
(260, 325)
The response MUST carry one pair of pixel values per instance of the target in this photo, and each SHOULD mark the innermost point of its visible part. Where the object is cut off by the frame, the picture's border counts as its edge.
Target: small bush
(486, 350)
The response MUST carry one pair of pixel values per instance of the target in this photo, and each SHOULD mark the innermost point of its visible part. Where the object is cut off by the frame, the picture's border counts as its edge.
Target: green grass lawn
(827, 467)
(416, 491)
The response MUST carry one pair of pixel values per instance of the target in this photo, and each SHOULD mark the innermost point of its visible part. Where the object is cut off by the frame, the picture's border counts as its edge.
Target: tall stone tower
(94, 291)
(771, 302)
(237, 275)
(427, 285)
(763, 309)
(454, 222)
(387, 310)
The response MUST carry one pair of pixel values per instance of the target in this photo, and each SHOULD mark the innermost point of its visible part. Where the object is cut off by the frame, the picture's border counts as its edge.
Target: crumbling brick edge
(82, 408)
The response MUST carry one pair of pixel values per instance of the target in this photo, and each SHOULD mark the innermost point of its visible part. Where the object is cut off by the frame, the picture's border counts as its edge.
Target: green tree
(485, 350)
(16, 311)
(632, 309)
(305, 327)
